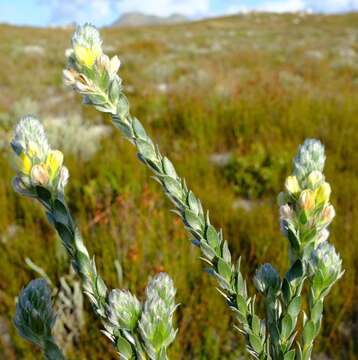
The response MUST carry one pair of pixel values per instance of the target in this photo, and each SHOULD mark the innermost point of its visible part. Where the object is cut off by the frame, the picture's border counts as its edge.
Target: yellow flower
(323, 193)
(292, 185)
(24, 163)
(54, 162)
(87, 56)
(306, 200)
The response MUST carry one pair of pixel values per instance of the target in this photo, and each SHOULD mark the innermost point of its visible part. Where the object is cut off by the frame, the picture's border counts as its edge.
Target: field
(228, 100)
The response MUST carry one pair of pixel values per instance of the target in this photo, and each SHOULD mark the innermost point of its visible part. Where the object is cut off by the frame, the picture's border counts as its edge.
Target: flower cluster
(325, 267)
(34, 317)
(36, 163)
(156, 323)
(305, 209)
(90, 71)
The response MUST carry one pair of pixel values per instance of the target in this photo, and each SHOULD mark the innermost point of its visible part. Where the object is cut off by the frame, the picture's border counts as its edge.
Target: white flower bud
(314, 179)
(285, 212)
(328, 215)
(267, 278)
(306, 200)
(310, 157)
(124, 309)
(39, 175)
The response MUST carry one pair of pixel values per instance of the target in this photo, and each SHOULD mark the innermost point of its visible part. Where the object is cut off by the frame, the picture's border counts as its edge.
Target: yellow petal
(86, 56)
(24, 164)
(292, 185)
(54, 162)
(323, 193)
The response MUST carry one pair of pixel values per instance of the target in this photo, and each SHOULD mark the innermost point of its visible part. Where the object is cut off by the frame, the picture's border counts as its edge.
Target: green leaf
(61, 214)
(286, 290)
(146, 148)
(294, 307)
(66, 235)
(192, 220)
(169, 168)
(255, 343)
(287, 326)
(316, 311)
(139, 129)
(122, 107)
(44, 194)
(255, 324)
(208, 252)
(124, 127)
(114, 91)
(226, 252)
(293, 239)
(224, 269)
(212, 237)
(296, 271)
(172, 186)
(124, 348)
(241, 304)
(290, 355)
(193, 203)
(308, 332)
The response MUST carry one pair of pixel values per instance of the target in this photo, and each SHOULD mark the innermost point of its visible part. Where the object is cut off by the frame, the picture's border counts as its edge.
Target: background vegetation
(228, 100)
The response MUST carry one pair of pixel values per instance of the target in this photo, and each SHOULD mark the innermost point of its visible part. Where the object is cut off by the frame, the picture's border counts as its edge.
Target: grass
(251, 87)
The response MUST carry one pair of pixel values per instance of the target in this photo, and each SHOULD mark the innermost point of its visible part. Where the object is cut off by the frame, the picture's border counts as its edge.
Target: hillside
(140, 19)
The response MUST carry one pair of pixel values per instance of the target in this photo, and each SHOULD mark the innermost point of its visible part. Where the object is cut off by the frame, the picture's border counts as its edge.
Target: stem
(214, 249)
(52, 351)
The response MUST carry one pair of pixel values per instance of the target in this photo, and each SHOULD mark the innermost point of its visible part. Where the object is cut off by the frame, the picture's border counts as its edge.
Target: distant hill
(140, 19)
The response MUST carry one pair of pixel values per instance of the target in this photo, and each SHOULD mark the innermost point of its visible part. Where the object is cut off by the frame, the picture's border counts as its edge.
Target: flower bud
(281, 198)
(306, 200)
(157, 316)
(310, 157)
(266, 278)
(69, 77)
(39, 175)
(314, 179)
(323, 193)
(64, 176)
(87, 45)
(124, 309)
(328, 214)
(285, 212)
(292, 185)
(325, 265)
(34, 317)
(322, 236)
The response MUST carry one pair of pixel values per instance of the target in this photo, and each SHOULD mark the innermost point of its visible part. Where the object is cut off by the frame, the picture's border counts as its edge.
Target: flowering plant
(140, 332)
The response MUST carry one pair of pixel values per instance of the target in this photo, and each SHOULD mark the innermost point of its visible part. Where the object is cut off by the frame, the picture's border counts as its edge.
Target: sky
(104, 12)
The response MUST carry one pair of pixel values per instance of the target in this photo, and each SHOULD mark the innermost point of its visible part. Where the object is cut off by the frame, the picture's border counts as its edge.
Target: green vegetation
(234, 85)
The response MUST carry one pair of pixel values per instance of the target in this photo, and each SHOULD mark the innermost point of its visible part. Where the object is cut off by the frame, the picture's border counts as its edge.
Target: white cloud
(165, 7)
(332, 5)
(66, 11)
(279, 6)
(270, 6)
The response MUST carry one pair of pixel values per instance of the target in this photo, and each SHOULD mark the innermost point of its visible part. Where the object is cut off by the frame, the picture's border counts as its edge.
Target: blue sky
(103, 12)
